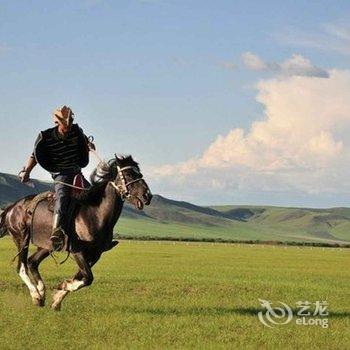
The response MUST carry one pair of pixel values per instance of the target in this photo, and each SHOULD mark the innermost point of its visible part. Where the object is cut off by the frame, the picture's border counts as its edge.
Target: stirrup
(57, 239)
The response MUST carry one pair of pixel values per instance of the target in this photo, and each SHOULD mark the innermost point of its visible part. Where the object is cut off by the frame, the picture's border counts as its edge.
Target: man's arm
(24, 175)
(89, 140)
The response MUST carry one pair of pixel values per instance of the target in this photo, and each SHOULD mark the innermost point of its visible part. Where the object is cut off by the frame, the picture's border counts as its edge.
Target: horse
(97, 213)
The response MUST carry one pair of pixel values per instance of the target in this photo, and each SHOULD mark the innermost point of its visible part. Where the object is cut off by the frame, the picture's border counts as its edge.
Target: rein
(122, 189)
(69, 185)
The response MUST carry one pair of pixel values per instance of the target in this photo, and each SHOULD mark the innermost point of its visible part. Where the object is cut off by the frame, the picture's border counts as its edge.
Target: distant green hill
(12, 189)
(182, 220)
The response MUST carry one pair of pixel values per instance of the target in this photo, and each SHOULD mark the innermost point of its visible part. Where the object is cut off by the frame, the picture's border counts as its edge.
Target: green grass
(152, 295)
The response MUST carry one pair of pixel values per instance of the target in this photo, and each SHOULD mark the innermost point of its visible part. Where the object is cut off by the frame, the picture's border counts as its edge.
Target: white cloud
(301, 143)
(253, 61)
(296, 65)
(329, 37)
(341, 31)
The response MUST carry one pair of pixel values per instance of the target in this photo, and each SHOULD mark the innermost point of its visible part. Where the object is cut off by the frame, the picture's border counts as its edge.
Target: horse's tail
(3, 227)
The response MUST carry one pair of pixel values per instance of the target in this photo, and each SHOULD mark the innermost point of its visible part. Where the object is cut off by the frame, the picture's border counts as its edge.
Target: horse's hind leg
(22, 269)
(83, 278)
(33, 265)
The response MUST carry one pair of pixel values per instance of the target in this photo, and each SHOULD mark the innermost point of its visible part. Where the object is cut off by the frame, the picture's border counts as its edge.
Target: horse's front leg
(82, 279)
(33, 265)
(22, 267)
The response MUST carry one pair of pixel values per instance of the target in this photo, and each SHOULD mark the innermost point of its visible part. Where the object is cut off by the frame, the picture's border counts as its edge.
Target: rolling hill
(183, 220)
(12, 189)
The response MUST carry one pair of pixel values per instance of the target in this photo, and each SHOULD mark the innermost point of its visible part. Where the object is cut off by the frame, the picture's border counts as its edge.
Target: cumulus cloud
(300, 143)
(296, 65)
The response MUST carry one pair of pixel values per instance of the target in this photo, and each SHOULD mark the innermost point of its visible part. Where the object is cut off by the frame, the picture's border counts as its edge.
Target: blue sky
(150, 77)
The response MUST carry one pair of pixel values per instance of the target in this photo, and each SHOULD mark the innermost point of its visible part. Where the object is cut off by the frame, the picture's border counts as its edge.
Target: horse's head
(130, 183)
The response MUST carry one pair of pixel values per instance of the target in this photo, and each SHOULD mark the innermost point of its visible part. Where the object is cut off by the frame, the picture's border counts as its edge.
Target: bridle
(123, 187)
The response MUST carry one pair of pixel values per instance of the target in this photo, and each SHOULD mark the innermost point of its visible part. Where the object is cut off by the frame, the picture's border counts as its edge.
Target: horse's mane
(99, 178)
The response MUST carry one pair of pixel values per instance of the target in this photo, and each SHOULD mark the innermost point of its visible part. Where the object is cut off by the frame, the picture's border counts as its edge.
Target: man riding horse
(63, 151)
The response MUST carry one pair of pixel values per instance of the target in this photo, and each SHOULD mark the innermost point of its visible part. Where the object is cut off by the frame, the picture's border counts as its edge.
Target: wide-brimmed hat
(63, 115)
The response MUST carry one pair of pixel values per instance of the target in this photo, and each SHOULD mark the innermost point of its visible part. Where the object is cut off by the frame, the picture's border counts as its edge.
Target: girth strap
(31, 206)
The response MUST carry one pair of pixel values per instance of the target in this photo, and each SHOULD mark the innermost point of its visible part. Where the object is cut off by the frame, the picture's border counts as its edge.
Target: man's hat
(63, 115)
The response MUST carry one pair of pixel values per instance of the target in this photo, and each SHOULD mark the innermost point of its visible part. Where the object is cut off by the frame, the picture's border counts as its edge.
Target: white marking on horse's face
(25, 278)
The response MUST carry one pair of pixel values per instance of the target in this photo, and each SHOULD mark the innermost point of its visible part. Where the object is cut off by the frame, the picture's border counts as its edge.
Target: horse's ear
(116, 159)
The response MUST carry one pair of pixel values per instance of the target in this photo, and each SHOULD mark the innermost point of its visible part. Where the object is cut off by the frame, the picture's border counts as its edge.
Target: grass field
(184, 295)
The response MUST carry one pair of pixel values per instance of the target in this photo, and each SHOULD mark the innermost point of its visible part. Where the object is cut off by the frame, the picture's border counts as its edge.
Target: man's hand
(90, 143)
(24, 175)
(91, 146)
(25, 172)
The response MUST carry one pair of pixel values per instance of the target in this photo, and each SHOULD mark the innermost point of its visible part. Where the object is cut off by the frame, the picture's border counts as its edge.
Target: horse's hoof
(111, 245)
(56, 307)
(39, 302)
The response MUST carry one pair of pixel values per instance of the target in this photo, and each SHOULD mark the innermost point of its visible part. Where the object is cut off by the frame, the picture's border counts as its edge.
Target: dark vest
(43, 157)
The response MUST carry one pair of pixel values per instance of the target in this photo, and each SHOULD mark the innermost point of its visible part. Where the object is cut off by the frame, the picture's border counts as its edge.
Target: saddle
(78, 183)
(49, 196)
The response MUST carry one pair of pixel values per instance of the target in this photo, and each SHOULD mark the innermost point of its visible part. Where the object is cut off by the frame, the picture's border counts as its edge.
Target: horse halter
(123, 187)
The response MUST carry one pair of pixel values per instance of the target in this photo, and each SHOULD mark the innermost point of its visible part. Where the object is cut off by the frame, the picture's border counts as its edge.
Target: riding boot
(58, 235)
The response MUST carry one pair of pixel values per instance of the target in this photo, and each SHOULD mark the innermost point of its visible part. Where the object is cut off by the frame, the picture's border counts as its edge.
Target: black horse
(97, 213)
